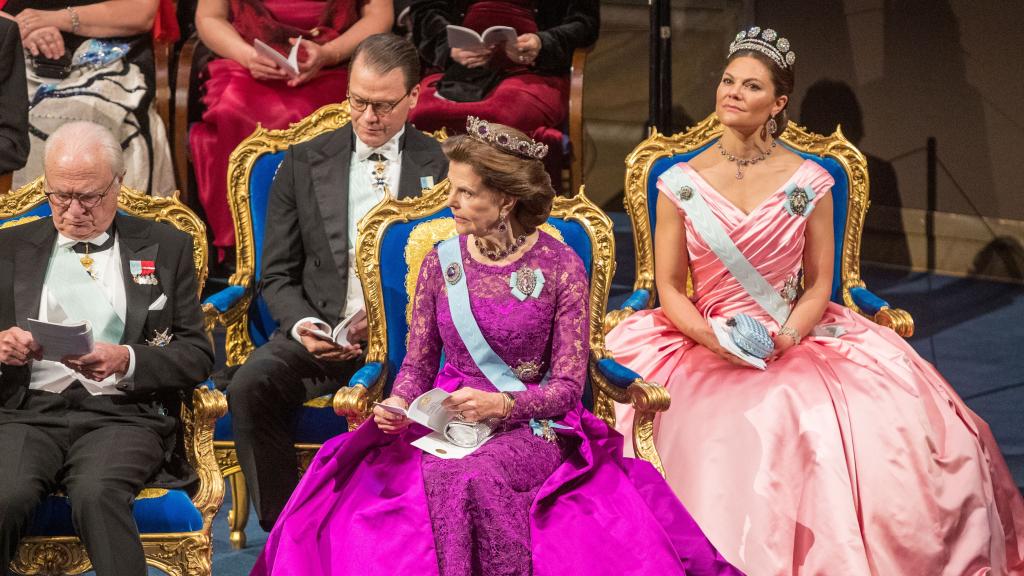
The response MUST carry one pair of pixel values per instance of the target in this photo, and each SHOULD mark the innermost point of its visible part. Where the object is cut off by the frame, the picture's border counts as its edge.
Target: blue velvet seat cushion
(172, 512)
(840, 196)
(314, 426)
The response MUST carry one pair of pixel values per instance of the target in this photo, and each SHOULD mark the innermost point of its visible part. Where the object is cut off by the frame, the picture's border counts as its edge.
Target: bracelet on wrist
(75, 22)
(792, 333)
(509, 403)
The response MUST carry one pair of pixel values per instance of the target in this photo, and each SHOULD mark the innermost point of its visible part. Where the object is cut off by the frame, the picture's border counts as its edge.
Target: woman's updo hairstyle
(508, 162)
(774, 52)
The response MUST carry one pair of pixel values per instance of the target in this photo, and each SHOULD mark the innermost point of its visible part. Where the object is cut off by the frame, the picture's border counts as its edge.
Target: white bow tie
(63, 240)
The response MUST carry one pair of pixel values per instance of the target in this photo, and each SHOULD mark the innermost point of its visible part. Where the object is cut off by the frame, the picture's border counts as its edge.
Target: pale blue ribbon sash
(81, 297)
(710, 229)
(493, 367)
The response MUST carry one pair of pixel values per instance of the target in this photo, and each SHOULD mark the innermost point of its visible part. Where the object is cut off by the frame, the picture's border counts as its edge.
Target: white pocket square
(158, 304)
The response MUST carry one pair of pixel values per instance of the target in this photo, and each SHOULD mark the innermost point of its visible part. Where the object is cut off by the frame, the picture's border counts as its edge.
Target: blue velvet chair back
(840, 197)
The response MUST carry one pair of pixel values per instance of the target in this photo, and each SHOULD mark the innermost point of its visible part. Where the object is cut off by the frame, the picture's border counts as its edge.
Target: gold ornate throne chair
(396, 236)
(175, 524)
(835, 153)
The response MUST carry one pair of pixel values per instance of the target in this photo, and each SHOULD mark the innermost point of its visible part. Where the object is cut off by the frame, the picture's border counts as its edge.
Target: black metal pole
(653, 66)
(665, 66)
(932, 201)
(660, 68)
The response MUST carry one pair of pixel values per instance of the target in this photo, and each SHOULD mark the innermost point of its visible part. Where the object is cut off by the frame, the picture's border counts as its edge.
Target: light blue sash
(81, 297)
(710, 229)
(493, 367)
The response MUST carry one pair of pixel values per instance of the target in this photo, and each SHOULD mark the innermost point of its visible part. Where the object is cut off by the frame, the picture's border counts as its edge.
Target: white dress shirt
(53, 376)
(363, 195)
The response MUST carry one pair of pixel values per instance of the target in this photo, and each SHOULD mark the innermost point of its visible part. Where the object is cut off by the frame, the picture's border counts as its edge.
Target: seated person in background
(13, 105)
(550, 489)
(848, 454)
(244, 88)
(93, 60)
(94, 426)
(524, 85)
(322, 189)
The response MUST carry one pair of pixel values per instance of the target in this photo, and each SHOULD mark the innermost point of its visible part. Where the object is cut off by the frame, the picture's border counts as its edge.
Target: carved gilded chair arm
(208, 405)
(366, 386)
(625, 386)
(900, 321)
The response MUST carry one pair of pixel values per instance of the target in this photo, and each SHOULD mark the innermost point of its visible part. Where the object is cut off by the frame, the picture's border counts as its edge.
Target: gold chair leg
(239, 515)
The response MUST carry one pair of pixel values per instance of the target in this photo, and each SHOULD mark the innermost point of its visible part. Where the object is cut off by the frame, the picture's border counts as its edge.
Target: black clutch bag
(54, 69)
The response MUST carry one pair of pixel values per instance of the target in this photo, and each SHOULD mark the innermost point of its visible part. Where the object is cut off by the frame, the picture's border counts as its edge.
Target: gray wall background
(909, 69)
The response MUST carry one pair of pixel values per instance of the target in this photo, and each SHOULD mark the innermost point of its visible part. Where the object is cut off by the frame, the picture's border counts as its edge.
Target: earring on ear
(771, 126)
(502, 223)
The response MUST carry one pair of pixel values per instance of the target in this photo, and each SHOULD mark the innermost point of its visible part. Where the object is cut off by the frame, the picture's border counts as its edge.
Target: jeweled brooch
(798, 200)
(527, 371)
(526, 282)
(685, 193)
(453, 273)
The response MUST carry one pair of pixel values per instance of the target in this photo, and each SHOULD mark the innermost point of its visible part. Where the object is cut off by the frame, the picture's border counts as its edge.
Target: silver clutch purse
(466, 434)
(751, 336)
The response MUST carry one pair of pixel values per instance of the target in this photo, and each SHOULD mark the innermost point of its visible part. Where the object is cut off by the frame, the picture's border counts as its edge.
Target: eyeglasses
(379, 108)
(87, 201)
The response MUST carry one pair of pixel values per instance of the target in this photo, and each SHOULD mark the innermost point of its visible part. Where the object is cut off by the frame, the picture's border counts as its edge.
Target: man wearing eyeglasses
(100, 425)
(321, 191)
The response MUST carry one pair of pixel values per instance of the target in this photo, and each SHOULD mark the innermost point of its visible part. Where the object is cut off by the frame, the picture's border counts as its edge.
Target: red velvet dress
(535, 103)
(235, 102)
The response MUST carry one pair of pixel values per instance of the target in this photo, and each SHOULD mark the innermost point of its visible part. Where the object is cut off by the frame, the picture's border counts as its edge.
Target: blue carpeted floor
(970, 329)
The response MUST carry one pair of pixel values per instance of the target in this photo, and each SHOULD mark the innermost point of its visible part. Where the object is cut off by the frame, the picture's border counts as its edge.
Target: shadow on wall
(829, 104)
(1000, 258)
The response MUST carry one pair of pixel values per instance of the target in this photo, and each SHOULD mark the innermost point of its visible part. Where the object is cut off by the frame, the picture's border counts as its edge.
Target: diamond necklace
(744, 162)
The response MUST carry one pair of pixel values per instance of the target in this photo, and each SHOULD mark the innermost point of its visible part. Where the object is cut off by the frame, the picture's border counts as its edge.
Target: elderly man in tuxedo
(93, 425)
(322, 189)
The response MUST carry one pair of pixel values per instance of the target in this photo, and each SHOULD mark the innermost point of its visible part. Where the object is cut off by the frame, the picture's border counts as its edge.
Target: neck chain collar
(501, 253)
(742, 163)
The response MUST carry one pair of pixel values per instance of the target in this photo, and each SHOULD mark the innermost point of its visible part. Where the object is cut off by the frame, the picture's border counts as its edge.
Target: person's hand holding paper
(18, 348)
(104, 361)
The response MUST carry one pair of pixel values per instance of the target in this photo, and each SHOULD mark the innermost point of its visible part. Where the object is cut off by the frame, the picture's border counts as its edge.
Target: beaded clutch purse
(751, 336)
(466, 434)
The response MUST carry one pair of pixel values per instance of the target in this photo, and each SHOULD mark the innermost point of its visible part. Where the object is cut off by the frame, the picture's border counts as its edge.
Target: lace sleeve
(423, 352)
(569, 346)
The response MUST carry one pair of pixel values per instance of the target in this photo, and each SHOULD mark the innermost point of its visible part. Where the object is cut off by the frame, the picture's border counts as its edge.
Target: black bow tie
(90, 248)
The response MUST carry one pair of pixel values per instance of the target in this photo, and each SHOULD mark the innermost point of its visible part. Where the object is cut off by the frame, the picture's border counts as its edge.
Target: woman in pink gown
(848, 454)
(243, 88)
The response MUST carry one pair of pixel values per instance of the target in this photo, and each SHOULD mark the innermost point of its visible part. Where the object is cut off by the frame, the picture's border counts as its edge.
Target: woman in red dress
(243, 88)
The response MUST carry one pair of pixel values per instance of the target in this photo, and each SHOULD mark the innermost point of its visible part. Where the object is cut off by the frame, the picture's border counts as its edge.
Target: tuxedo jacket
(13, 100)
(305, 246)
(161, 372)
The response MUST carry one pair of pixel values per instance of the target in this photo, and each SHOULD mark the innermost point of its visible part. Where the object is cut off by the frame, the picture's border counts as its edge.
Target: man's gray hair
(82, 137)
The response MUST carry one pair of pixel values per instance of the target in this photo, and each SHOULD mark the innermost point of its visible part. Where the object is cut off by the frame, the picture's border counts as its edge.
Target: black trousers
(265, 396)
(100, 450)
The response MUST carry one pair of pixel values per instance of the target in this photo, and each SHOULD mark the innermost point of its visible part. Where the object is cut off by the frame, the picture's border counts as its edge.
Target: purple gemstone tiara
(766, 42)
(528, 148)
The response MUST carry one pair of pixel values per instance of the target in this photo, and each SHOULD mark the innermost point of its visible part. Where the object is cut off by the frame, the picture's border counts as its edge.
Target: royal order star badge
(160, 338)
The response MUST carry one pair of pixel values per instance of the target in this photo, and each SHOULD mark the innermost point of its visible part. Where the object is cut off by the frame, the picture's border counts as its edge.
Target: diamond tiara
(766, 42)
(482, 130)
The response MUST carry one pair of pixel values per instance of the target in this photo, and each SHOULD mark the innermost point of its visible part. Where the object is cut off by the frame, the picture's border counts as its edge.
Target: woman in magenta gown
(243, 88)
(848, 454)
(550, 492)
